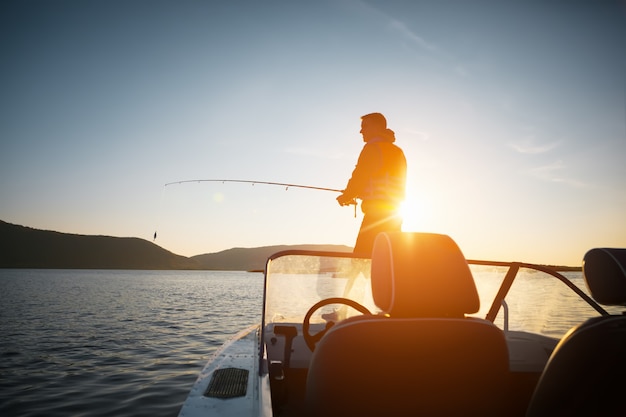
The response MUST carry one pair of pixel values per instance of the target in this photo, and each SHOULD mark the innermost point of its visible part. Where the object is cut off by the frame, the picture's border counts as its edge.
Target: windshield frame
(505, 280)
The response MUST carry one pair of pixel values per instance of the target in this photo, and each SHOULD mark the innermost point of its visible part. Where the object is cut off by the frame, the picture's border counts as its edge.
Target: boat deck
(528, 354)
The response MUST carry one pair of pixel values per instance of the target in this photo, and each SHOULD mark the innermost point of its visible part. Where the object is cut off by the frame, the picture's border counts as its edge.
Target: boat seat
(423, 356)
(585, 373)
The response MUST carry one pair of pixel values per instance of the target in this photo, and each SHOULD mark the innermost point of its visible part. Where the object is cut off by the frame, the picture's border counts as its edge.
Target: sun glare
(411, 214)
(218, 197)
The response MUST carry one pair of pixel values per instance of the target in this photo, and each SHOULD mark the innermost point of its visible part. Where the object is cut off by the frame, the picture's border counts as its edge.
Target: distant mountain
(251, 259)
(24, 247)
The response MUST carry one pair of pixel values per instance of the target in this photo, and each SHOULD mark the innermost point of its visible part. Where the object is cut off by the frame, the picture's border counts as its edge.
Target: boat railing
(505, 310)
(512, 272)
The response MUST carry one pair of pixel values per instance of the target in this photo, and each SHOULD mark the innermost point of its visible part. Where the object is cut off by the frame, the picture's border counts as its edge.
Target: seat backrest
(422, 275)
(423, 356)
(585, 373)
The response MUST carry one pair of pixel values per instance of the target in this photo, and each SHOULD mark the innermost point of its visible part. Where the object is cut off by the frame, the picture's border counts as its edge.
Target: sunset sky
(512, 116)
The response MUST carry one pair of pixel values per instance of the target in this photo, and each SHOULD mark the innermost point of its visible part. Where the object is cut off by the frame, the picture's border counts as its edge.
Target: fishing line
(158, 222)
(283, 184)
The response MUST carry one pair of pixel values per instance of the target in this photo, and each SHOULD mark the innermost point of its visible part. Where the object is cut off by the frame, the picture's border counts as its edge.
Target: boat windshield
(297, 280)
(519, 297)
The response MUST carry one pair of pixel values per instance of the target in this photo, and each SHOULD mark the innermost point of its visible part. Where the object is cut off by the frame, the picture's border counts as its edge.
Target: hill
(25, 247)
(253, 259)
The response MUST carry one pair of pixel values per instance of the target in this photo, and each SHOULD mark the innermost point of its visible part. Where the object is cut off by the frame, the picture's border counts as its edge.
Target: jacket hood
(387, 135)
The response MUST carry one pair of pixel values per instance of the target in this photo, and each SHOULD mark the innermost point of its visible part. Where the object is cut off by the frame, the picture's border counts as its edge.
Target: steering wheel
(311, 340)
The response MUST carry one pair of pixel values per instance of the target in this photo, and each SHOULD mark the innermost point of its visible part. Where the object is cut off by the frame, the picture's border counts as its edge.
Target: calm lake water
(107, 342)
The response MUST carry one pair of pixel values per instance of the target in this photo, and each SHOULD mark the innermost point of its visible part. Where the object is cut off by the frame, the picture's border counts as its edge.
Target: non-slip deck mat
(228, 383)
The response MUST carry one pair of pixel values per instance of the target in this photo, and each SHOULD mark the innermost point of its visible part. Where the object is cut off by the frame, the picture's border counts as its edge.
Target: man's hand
(345, 201)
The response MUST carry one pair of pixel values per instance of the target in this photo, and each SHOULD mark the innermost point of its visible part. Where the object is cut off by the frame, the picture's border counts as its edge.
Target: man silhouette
(379, 180)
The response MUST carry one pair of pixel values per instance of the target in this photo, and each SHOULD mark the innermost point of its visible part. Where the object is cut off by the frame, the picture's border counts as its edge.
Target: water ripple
(124, 343)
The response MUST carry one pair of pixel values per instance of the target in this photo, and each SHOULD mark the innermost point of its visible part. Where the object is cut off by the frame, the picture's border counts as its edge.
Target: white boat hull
(228, 398)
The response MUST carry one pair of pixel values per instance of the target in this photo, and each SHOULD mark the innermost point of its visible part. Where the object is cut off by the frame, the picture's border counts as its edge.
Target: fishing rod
(283, 184)
(286, 185)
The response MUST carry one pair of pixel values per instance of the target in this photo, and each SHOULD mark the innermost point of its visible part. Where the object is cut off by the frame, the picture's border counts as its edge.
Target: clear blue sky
(511, 113)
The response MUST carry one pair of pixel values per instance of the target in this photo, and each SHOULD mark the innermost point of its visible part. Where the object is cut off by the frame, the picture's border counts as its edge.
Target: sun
(412, 214)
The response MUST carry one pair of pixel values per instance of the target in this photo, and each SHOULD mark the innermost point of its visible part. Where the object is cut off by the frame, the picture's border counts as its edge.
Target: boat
(418, 329)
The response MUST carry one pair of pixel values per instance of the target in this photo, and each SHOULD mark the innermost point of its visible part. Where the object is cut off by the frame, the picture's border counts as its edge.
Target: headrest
(421, 275)
(604, 270)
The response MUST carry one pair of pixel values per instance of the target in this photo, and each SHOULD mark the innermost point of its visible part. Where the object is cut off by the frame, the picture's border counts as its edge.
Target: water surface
(124, 343)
